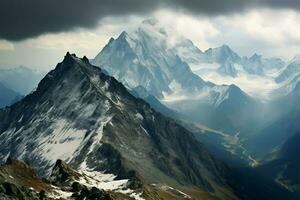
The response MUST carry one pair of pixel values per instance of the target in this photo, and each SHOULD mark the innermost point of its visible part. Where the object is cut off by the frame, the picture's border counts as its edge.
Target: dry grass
(23, 175)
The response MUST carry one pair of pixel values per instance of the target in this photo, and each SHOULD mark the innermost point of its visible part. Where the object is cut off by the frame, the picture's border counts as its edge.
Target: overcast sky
(38, 33)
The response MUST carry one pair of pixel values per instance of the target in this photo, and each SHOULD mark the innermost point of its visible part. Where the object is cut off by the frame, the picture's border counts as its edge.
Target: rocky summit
(88, 119)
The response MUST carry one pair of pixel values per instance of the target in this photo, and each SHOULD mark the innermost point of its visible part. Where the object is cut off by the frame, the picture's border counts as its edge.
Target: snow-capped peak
(144, 57)
(221, 54)
(255, 56)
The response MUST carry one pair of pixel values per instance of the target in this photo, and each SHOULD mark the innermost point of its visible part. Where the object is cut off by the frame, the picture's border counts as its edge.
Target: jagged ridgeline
(89, 120)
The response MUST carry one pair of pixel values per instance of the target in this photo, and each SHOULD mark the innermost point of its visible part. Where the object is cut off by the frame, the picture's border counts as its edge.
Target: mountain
(221, 54)
(258, 65)
(225, 108)
(288, 87)
(8, 96)
(290, 71)
(221, 60)
(238, 113)
(226, 62)
(142, 58)
(288, 79)
(91, 121)
(145, 58)
(221, 65)
(20, 79)
(188, 51)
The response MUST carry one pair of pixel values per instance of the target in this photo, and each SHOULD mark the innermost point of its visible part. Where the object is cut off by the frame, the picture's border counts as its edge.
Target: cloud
(82, 40)
(268, 32)
(5, 45)
(217, 7)
(26, 19)
(246, 33)
(20, 20)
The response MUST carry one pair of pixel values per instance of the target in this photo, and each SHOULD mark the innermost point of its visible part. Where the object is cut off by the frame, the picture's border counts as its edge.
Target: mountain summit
(222, 54)
(91, 121)
(143, 58)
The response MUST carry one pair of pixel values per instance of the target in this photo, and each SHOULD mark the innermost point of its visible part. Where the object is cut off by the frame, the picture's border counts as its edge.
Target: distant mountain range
(8, 96)
(21, 79)
(289, 78)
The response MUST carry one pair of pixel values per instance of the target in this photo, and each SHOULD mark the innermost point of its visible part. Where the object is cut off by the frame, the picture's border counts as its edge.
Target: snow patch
(145, 131)
(21, 118)
(61, 143)
(101, 180)
(106, 181)
(59, 194)
(139, 116)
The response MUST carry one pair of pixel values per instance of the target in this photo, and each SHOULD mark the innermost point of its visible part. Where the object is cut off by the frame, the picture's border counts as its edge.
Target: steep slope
(225, 108)
(142, 93)
(290, 71)
(221, 54)
(220, 60)
(239, 110)
(188, 51)
(289, 79)
(87, 118)
(7, 96)
(19, 181)
(258, 65)
(142, 58)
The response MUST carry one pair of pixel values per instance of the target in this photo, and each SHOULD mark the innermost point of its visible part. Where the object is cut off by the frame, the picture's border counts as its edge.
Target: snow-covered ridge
(154, 57)
(56, 134)
(256, 75)
(150, 57)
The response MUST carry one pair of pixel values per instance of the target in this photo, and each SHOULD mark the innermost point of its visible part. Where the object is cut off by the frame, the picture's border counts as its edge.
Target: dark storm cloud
(21, 19)
(220, 7)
